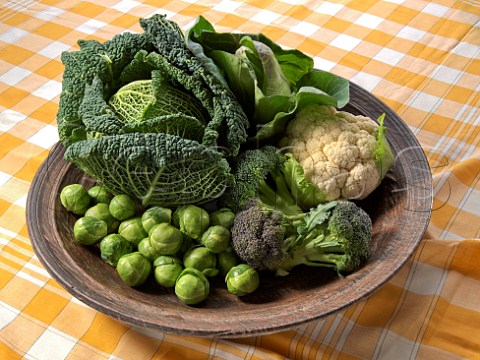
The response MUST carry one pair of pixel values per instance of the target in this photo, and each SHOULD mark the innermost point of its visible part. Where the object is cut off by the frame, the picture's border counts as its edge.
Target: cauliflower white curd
(337, 151)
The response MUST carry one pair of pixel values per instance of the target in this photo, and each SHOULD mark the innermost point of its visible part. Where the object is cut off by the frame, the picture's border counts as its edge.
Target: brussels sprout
(134, 268)
(192, 220)
(200, 258)
(75, 198)
(100, 195)
(226, 260)
(223, 217)
(89, 230)
(113, 247)
(216, 239)
(192, 286)
(155, 215)
(146, 249)
(100, 211)
(166, 239)
(132, 230)
(167, 270)
(122, 207)
(242, 280)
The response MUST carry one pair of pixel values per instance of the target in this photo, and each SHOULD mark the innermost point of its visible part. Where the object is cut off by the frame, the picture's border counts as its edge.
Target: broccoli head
(257, 235)
(335, 235)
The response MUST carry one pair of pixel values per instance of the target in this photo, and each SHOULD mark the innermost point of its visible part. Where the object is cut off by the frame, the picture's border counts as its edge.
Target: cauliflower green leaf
(384, 157)
(305, 193)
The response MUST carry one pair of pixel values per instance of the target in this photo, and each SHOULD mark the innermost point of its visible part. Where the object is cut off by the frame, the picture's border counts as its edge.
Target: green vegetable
(132, 230)
(202, 259)
(143, 116)
(267, 174)
(89, 230)
(216, 239)
(134, 268)
(99, 195)
(335, 235)
(167, 270)
(146, 249)
(192, 286)
(101, 211)
(192, 220)
(242, 280)
(165, 239)
(270, 82)
(226, 260)
(122, 207)
(155, 215)
(384, 158)
(75, 198)
(113, 247)
(223, 217)
(253, 170)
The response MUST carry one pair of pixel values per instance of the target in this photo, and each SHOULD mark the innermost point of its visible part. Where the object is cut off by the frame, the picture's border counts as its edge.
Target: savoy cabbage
(143, 116)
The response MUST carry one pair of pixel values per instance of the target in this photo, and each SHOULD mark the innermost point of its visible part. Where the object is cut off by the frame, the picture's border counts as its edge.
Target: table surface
(419, 57)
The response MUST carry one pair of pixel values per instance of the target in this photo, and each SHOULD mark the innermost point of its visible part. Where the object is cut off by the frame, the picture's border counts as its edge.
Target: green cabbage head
(143, 116)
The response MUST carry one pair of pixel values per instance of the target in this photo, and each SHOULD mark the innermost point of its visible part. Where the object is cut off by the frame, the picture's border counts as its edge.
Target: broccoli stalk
(277, 196)
(335, 235)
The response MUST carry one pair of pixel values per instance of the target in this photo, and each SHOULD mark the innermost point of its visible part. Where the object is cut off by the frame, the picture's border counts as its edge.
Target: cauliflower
(345, 155)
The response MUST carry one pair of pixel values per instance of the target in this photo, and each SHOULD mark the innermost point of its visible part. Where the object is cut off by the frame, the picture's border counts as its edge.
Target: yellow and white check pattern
(421, 57)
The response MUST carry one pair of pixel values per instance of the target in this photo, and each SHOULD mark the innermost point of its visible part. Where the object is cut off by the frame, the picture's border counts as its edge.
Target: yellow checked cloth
(421, 57)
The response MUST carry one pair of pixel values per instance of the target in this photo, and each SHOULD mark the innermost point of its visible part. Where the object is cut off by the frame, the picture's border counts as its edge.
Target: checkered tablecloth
(420, 57)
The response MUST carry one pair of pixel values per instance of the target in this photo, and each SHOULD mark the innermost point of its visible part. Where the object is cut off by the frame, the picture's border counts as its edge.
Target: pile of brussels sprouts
(181, 247)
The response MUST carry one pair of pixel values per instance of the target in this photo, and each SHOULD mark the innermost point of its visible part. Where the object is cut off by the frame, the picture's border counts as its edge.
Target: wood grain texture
(400, 209)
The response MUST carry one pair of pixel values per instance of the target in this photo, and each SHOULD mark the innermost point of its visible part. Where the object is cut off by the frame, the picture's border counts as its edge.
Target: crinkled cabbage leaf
(154, 168)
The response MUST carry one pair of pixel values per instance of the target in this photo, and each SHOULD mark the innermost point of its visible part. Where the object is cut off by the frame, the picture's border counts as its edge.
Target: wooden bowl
(400, 209)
